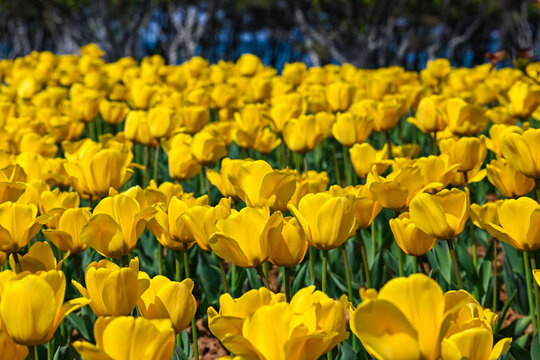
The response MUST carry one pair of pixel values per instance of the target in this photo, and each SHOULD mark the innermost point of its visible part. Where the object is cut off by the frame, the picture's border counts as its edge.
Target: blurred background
(366, 33)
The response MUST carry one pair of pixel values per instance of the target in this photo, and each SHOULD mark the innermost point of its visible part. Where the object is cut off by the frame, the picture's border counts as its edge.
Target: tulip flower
(162, 121)
(364, 156)
(519, 224)
(166, 299)
(489, 212)
(31, 317)
(141, 94)
(266, 141)
(201, 220)
(115, 226)
(67, 233)
(307, 183)
(137, 128)
(437, 169)
(350, 129)
(429, 117)
(464, 119)
(182, 164)
(409, 237)
(439, 68)
(467, 152)
(207, 149)
(292, 246)
(507, 179)
(258, 184)
(129, 338)
(229, 169)
(339, 96)
(524, 99)
(10, 349)
(497, 133)
(38, 258)
(442, 215)
(302, 134)
(113, 290)
(113, 112)
(247, 238)
(18, 225)
(327, 221)
(521, 151)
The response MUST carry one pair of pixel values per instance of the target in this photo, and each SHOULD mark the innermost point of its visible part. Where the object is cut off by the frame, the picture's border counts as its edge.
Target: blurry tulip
(327, 221)
(10, 349)
(116, 224)
(67, 233)
(207, 149)
(364, 156)
(292, 246)
(500, 115)
(464, 119)
(409, 237)
(113, 291)
(141, 94)
(350, 129)
(429, 117)
(193, 118)
(438, 68)
(442, 215)
(201, 220)
(489, 212)
(113, 112)
(467, 152)
(522, 152)
(129, 338)
(137, 128)
(248, 64)
(38, 258)
(302, 134)
(507, 179)
(229, 169)
(162, 121)
(524, 99)
(33, 307)
(437, 169)
(312, 182)
(266, 141)
(386, 113)
(18, 225)
(339, 96)
(406, 150)
(247, 238)
(497, 133)
(258, 184)
(519, 224)
(166, 299)
(182, 164)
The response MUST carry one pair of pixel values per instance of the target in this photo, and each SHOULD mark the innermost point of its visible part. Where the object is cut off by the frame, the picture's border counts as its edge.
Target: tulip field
(230, 210)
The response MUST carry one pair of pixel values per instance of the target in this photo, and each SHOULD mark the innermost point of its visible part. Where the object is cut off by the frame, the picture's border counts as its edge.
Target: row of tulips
(343, 178)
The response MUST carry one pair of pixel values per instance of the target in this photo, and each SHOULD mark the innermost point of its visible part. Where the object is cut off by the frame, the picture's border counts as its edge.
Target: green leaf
(66, 352)
(83, 324)
(443, 262)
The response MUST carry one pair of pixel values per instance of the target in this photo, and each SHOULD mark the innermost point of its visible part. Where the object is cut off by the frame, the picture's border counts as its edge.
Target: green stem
(18, 268)
(156, 164)
(178, 264)
(336, 164)
(400, 262)
(146, 163)
(373, 239)
(454, 260)
(306, 167)
(347, 273)
(286, 282)
(282, 155)
(434, 148)
(495, 275)
(193, 322)
(389, 143)
(186, 261)
(160, 258)
(312, 265)
(77, 264)
(364, 258)
(91, 130)
(526, 262)
(49, 350)
(415, 264)
(207, 184)
(324, 270)
(264, 279)
(536, 295)
(265, 269)
(223, 275)
(347, 165)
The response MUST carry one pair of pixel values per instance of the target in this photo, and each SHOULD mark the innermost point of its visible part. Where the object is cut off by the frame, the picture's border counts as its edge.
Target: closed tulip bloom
(339, 95)
(113, 112)
(182, 164)
(67, 234)
(258, 184)
(38, 258)
(475, 343)
(522, 152)
(507, 179)
(302, 134)
(308, 183)
(207, 149)
(201, 220)
(429, 117)
(55, 202)
(386, 113)
(327, 221)
(464, 119)
(247, 238)
(467, 152)
(266, 141)
(364, 156)
(489, 212)
(193, 118)
(115, 226)
(113, 290)
(524, 99)
(292, 245)
(10, 349)
(229, 169)
(19, 223)
(32, 306)
(438, 68)
(442, 215)
(166, 299)
(437, 169)
(129, 338)
(98, 170)
(409, 237)
(137, 128)
(350, 129)
(141, 94)
(497, 133)
(162, 121)
(519, 224)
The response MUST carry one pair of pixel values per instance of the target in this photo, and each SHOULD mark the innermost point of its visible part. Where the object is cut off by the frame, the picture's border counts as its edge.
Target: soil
(210, 347)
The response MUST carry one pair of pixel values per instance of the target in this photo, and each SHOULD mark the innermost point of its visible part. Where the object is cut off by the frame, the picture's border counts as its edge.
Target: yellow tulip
(327, 221)
(489, 212)
(467, 152)
(113, 290)
(442, 215)
(464, 119)
(350, 129)
(137, 128)
(258, 184)
(115, 226)
(141, 94)
(437, 169)
(507, 179)
(429, 117)
(522, 152)
(524, 99)
(162, 121)
(307, 183)
(497, 133)
(31, 317)
(207, 149)
(302, 134)
(10, 349)
(18, 225)
(194, 118)
(266, 141)
(474, 344)
(247, 238)
(249, 64)
(500, 115)
(409, 237)
(292, 246)
(519, 224)
(339, 95)
(113, 112)
(84, 104)
(167, 188)
(201, 220)
(366, 208)
(128, 338)
(182, 164)
(229, 169)
(364, 156)
(66, 235)
(38, 258)
(438, 68)
(166, 299)
(169, 224)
